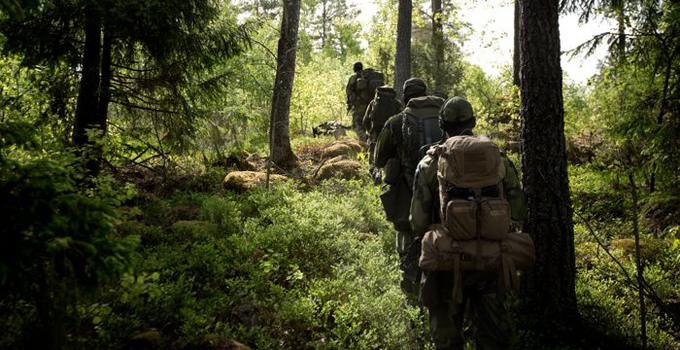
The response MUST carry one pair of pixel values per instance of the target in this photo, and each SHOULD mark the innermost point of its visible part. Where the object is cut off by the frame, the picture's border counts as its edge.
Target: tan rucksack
(441, 252)
(470, 174)
(475, 231)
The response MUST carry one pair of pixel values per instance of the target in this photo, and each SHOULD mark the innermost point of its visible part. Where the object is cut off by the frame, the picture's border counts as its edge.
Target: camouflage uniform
(387, 156)
(480, 289)
(392, 107)
(388, 153)
(357, 105)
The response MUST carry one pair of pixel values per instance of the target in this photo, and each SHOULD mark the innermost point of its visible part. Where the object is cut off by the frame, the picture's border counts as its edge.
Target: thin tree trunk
(659, 118)
(86, 116)
(438, 44)
(324, 23)
(549, 288)
(638, 263)
(516, 47)
(619, 7)
(281, 152)
(402, 58)
(105, 84)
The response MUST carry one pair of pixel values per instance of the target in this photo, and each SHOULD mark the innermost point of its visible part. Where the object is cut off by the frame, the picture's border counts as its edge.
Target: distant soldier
(384, 105)
(360, 91)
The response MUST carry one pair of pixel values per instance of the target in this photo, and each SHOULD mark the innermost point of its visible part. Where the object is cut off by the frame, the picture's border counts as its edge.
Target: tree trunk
(402, 58)
(324, 22)
(105, 83)
(438, 44)
(549, 288)
(281, 152)
(619, 6)
(516, 49)
(86, 116)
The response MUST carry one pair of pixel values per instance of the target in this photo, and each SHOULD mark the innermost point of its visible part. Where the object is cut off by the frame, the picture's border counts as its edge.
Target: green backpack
(420, 130)
(385, 105)
(368, 82)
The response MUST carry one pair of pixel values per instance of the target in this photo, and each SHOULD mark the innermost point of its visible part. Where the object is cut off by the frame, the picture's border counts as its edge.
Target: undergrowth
(278, 269)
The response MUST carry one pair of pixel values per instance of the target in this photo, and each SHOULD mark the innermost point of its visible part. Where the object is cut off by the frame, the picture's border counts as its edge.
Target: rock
(339, 167)
(241, 181)
(347, 148)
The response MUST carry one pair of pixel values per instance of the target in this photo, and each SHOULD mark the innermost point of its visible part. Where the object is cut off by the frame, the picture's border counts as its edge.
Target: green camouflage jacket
(395, 106)
(351, 90)
(425, 202)
(389, 140)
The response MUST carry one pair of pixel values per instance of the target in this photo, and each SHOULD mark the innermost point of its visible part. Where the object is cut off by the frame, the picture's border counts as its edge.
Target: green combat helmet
(456, 110)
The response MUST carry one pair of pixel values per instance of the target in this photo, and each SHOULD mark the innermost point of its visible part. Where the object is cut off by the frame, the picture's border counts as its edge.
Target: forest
(162, 187)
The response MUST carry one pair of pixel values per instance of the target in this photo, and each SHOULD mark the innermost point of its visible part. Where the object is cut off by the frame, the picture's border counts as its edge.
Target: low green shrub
(278, 269)
(608, 295)
(58, 244)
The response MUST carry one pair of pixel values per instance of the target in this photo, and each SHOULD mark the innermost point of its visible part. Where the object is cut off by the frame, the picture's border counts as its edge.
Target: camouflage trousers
(375, 173)
(490, 329)
(409, 251)
(358, 112)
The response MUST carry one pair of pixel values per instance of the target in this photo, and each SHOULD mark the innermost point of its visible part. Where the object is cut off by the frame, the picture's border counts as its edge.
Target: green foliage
(33, 105)
(382, 46)
(608, 301)
(329, 27)
(599, 199)
(282, 272)
(578, 115)
(57, 242)
(169, 62)
(495, 102)
(52, 221)
(290, 268)
(319, 94)
(443, 73)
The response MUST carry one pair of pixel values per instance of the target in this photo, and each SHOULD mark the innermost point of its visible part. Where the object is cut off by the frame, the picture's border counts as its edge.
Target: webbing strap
(510, 279)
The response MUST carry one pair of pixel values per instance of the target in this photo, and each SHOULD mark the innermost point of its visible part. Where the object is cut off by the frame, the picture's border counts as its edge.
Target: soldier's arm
(514, 192)
(424, 196)
(385, 148)
(350, 90)
(366, 122)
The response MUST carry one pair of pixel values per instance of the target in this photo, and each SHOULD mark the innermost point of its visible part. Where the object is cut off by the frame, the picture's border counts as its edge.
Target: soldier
(384, 105)
(395, 150)
(480, 289)
(355, 102)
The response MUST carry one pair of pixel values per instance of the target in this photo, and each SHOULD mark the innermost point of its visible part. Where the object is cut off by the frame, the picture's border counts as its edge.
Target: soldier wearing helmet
(493, 330)
(392, 154)
(355, 102)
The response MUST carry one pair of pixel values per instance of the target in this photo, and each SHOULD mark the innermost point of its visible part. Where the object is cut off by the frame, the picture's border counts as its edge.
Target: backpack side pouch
(460, 219)
(494, 218)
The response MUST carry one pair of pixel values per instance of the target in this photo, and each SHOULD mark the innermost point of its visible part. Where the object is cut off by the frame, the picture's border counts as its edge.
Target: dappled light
(339, 174)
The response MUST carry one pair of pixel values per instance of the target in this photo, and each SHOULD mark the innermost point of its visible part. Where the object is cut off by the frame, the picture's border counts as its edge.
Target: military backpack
(470, 174)
(420, 129)
(368, 82)
(474, 234)
(384, 105)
